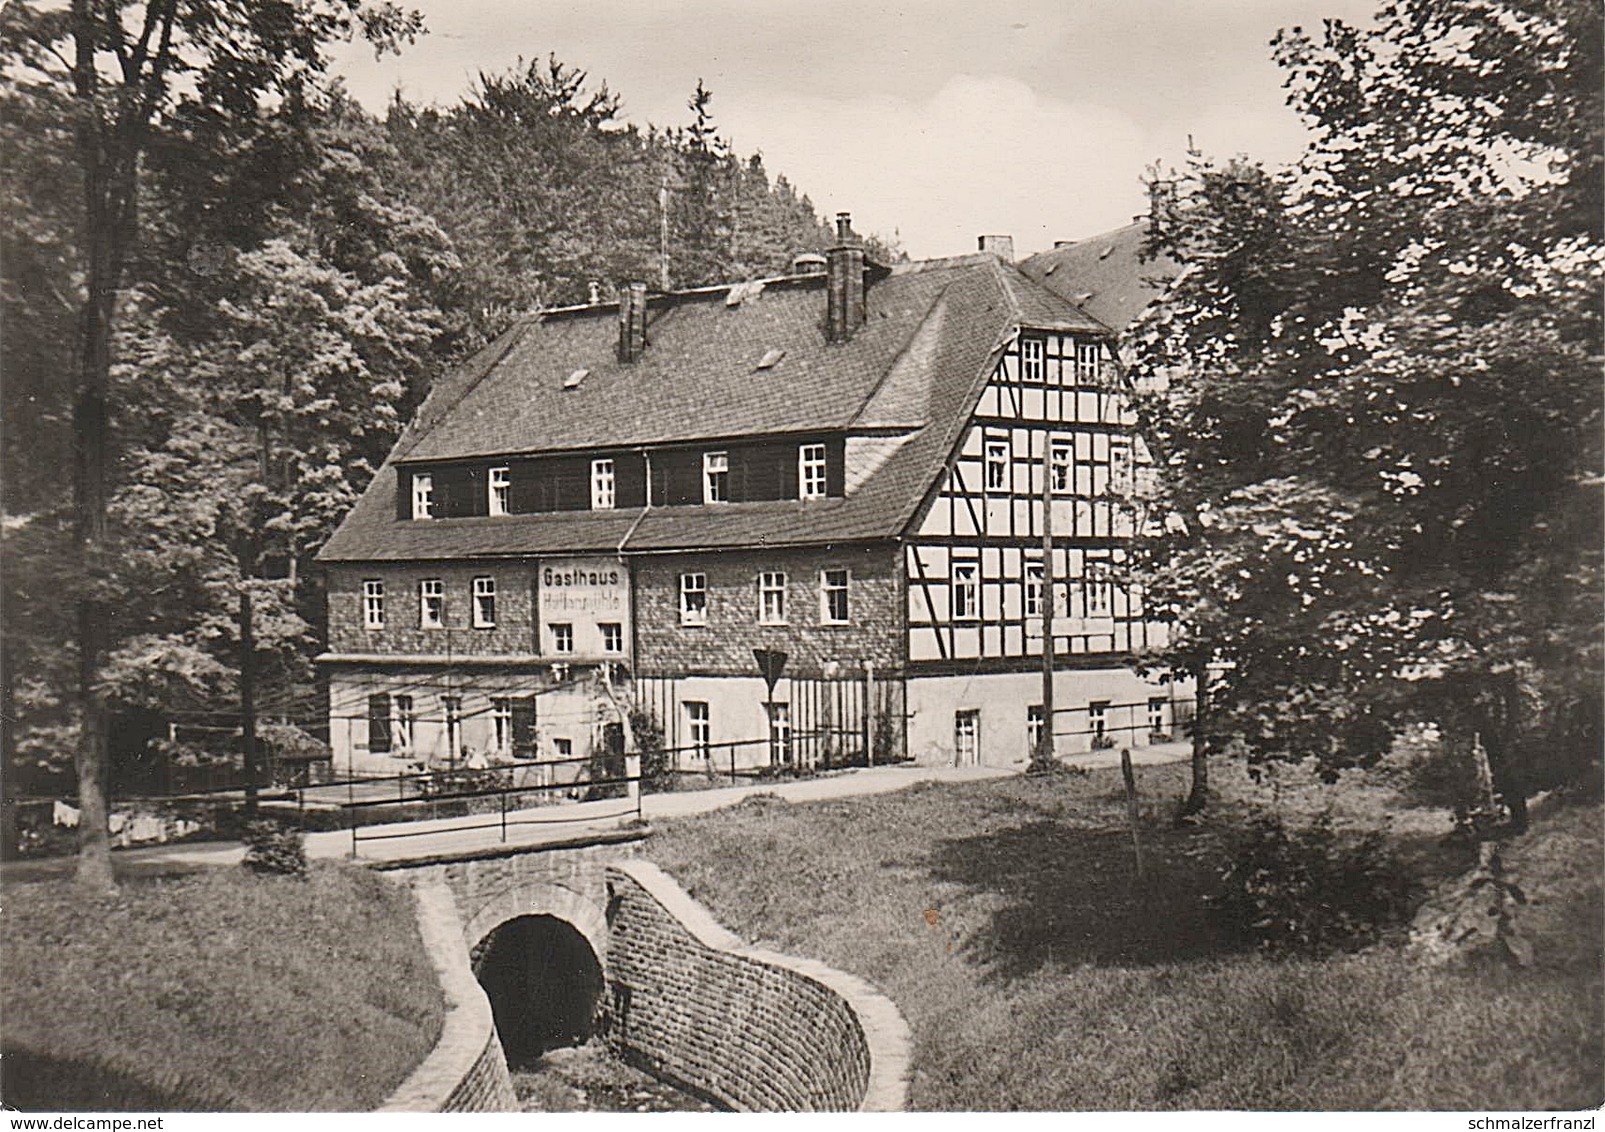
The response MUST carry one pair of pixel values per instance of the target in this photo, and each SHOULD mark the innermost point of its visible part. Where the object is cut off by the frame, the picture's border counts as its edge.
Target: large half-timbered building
(850, 465)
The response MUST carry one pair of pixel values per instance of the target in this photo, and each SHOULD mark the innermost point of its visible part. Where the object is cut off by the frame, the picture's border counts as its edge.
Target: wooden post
(869, 713)
(1130, 780)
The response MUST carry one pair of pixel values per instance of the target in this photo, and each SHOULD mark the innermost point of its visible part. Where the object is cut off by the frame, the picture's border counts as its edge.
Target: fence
(1135, 723)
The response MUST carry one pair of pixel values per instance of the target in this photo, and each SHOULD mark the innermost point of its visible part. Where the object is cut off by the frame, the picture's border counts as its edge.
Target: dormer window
(602, 485)
(423, 495)
(500, 484)
(1031, 359)
(716, 477)
(811, 471)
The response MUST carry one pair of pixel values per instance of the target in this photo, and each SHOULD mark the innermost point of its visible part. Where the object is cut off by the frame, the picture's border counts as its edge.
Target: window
(602, 479)
(811, 471)
(715, 477)
(1062, 459)
(772, 598)
(563, 748)
(1033, 728)
(833, 597)
(1031, 353)
(693, 599)
(1033, 589)
(612, 636)
(501, 483)
(1120, 478)
(997, 465)
(1156, 717)
(379, 723)
(779, 734)
(699, 726)
(1087, 362)
(423, 496)
(1098, 720)
(453, 706)
(484, 603)
(1096, 590)
(431, 604)
(402, 722)
(562, 638)
(967, 738)
(373, 604)
(966, 591)
(501, 725)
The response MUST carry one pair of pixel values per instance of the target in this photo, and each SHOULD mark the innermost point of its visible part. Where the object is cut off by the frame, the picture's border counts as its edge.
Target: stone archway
(539, 900)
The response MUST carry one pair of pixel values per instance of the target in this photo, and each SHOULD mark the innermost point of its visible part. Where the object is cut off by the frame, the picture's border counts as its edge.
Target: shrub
(1312, 890)
(270, 848)
(656, 773)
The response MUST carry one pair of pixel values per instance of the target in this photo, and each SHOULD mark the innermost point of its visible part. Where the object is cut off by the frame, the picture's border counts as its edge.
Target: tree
(1381, 431)
(130, 70)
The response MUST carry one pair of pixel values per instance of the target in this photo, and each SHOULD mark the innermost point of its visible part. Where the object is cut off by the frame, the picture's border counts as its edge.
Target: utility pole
(1042, 757)
(663, 234)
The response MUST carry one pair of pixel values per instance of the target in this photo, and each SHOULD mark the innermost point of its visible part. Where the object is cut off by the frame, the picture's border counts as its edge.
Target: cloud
(983, 154)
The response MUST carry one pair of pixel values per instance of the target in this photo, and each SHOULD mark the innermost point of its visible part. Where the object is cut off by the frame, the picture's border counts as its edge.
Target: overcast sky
(935, 119)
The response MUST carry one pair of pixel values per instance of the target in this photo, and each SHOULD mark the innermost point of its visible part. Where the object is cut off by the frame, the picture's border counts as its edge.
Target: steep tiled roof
(1105, 275)
(915, 366)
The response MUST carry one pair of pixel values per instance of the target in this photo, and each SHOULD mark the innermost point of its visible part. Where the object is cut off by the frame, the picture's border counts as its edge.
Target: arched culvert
(544, 984)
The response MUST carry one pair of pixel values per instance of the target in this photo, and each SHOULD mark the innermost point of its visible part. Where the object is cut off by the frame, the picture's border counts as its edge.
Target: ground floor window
(779, 733)
(453, 706)
(501, 725)
(699, 727)
(1033, 729)
(967, 737)
(562, 748)
(1098, 722)
(1156, 719)
(402, 722)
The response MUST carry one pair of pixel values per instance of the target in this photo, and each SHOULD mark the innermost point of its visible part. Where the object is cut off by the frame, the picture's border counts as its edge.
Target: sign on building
(583, 607)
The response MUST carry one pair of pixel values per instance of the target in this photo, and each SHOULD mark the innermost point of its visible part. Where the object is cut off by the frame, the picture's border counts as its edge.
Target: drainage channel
(586, 1078)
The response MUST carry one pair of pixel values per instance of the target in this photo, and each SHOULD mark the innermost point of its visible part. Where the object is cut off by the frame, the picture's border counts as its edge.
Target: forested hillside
(296, 272)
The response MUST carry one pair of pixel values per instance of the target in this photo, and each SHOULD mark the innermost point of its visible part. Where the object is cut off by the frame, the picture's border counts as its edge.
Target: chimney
(1000, 246)
(632, 321)
(844, 285)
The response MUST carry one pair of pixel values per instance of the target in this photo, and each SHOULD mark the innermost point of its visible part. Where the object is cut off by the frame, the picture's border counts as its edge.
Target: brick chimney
(1000, 246)
(632, 321)
(844, 285)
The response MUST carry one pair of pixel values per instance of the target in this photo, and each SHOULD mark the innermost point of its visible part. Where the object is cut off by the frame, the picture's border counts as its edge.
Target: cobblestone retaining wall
(466, 1071)
(752, 1029)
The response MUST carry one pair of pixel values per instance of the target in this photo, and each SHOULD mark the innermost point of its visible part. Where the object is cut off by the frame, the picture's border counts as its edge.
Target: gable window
(1031, 355)
(1087, 357)
(693, 599)
(431, 604)
(484, 603)
(811, 471)
(500, 484)
(1062, 459)
(699, 727)
(402, 722)
(1033, 589)
(715, 477)
(562, 638)
(373, 604)
(833, 597)
(997, 465)
(423, 495)
(966, 591)
(602, 480)
(612, 636)
(772, 598)
(501, 725)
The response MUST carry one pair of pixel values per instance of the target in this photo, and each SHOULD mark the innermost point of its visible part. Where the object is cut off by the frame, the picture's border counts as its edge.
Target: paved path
(544, 825)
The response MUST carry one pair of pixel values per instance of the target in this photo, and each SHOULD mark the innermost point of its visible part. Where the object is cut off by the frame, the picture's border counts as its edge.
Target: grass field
(214, 991)
(1004, 919)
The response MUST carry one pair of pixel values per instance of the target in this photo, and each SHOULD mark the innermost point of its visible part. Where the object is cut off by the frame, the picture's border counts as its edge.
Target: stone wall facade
(751, 1029)
(513, 634)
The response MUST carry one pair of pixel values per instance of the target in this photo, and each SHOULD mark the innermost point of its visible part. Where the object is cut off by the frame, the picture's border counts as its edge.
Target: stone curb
(886, 1034)
(468, 1030)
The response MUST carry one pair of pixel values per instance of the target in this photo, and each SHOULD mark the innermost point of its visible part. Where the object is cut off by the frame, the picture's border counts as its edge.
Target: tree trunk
(1198, 795)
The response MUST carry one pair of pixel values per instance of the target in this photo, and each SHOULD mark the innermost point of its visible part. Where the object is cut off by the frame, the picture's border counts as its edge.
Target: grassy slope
(1003, 920)
(217, 990)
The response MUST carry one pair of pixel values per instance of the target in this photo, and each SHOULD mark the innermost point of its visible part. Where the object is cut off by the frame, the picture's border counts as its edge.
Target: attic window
(771, 358)
(572, 381)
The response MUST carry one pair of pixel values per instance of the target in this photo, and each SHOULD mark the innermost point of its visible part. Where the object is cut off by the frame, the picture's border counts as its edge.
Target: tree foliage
(1380, 414)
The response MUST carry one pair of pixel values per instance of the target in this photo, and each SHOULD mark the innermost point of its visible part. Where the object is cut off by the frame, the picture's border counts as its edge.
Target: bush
(1312, 891)
(269, 848)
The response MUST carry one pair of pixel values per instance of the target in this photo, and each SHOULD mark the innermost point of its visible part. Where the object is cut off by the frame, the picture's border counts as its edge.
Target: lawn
(216, 990)
(1005, 920)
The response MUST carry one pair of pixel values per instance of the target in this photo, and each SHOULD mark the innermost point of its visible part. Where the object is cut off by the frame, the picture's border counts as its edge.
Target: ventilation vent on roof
(572, 381)
(1052, 267)
(1107, 252)
(1083, 297)
(770, 359)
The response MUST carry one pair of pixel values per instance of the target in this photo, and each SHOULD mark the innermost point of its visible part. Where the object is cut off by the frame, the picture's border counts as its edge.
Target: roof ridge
(513, 335)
